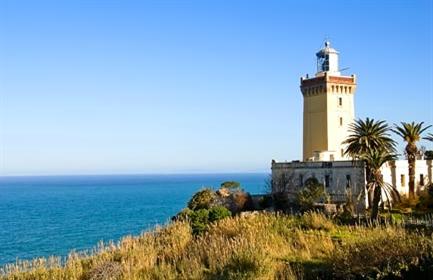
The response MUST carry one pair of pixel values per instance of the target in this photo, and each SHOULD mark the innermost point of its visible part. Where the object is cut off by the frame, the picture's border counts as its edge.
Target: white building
(329, 109)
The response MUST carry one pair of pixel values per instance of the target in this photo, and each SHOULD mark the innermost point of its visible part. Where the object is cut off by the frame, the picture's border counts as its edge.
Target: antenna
(343, 69)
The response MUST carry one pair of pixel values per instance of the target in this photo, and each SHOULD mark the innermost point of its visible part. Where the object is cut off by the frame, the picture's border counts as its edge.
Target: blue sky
(97, 87)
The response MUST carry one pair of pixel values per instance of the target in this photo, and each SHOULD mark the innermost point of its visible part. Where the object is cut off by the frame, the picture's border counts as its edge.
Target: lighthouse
(329, 108)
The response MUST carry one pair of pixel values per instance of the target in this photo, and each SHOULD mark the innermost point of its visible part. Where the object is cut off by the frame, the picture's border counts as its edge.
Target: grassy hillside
(261, 246)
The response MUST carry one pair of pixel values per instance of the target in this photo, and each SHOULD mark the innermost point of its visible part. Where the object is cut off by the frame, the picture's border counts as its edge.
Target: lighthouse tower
(328, 108)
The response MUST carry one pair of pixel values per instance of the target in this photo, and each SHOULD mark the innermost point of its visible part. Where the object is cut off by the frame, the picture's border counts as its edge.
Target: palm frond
(410, 132)
(376, 158)
(429, 137)
(368, 135)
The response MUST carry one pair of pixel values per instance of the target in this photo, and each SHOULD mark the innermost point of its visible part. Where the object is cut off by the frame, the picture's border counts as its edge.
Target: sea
(53, 215)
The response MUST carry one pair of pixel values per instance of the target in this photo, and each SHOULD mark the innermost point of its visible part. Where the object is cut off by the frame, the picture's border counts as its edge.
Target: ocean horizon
(47, 215)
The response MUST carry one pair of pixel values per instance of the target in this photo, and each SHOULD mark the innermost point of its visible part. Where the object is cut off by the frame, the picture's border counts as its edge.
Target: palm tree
(367, 136)
(429, 137)
(411, 134)
(374, 159)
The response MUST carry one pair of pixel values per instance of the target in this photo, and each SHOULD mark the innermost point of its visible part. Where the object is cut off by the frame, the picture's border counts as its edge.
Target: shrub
(406, 203)
(426, 198)
(218, 212)
(241, 201)
(313, 192)
(199, 220)
(203, 199)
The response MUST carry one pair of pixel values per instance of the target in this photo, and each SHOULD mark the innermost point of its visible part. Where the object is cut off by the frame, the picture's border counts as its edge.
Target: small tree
(199, 220)
(313, 192)
(231, 185)
(218, 212)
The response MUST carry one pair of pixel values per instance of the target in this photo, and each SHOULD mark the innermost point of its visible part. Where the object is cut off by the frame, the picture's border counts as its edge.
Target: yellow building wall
(315, 125)
(338, 129)
(326, 117)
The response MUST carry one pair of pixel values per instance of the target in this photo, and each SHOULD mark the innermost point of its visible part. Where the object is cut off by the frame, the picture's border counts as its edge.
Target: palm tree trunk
(411, 163)
(370, 192)
(376, 200)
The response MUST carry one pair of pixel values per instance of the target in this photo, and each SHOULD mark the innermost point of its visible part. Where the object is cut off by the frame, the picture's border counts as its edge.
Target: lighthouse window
(402, 180)
(341, 121)
(340, 101)
(421, 179)
(350, 89)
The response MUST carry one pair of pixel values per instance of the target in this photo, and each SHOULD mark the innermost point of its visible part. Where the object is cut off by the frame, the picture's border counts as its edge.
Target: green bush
(199, 220)
(313, 192)
(218, 212)
(203, 199)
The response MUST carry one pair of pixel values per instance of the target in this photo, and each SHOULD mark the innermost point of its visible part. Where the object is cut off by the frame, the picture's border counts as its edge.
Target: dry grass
(262, 246)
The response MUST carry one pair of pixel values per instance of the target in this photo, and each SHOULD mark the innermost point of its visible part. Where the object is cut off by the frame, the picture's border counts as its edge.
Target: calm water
(43, 216)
